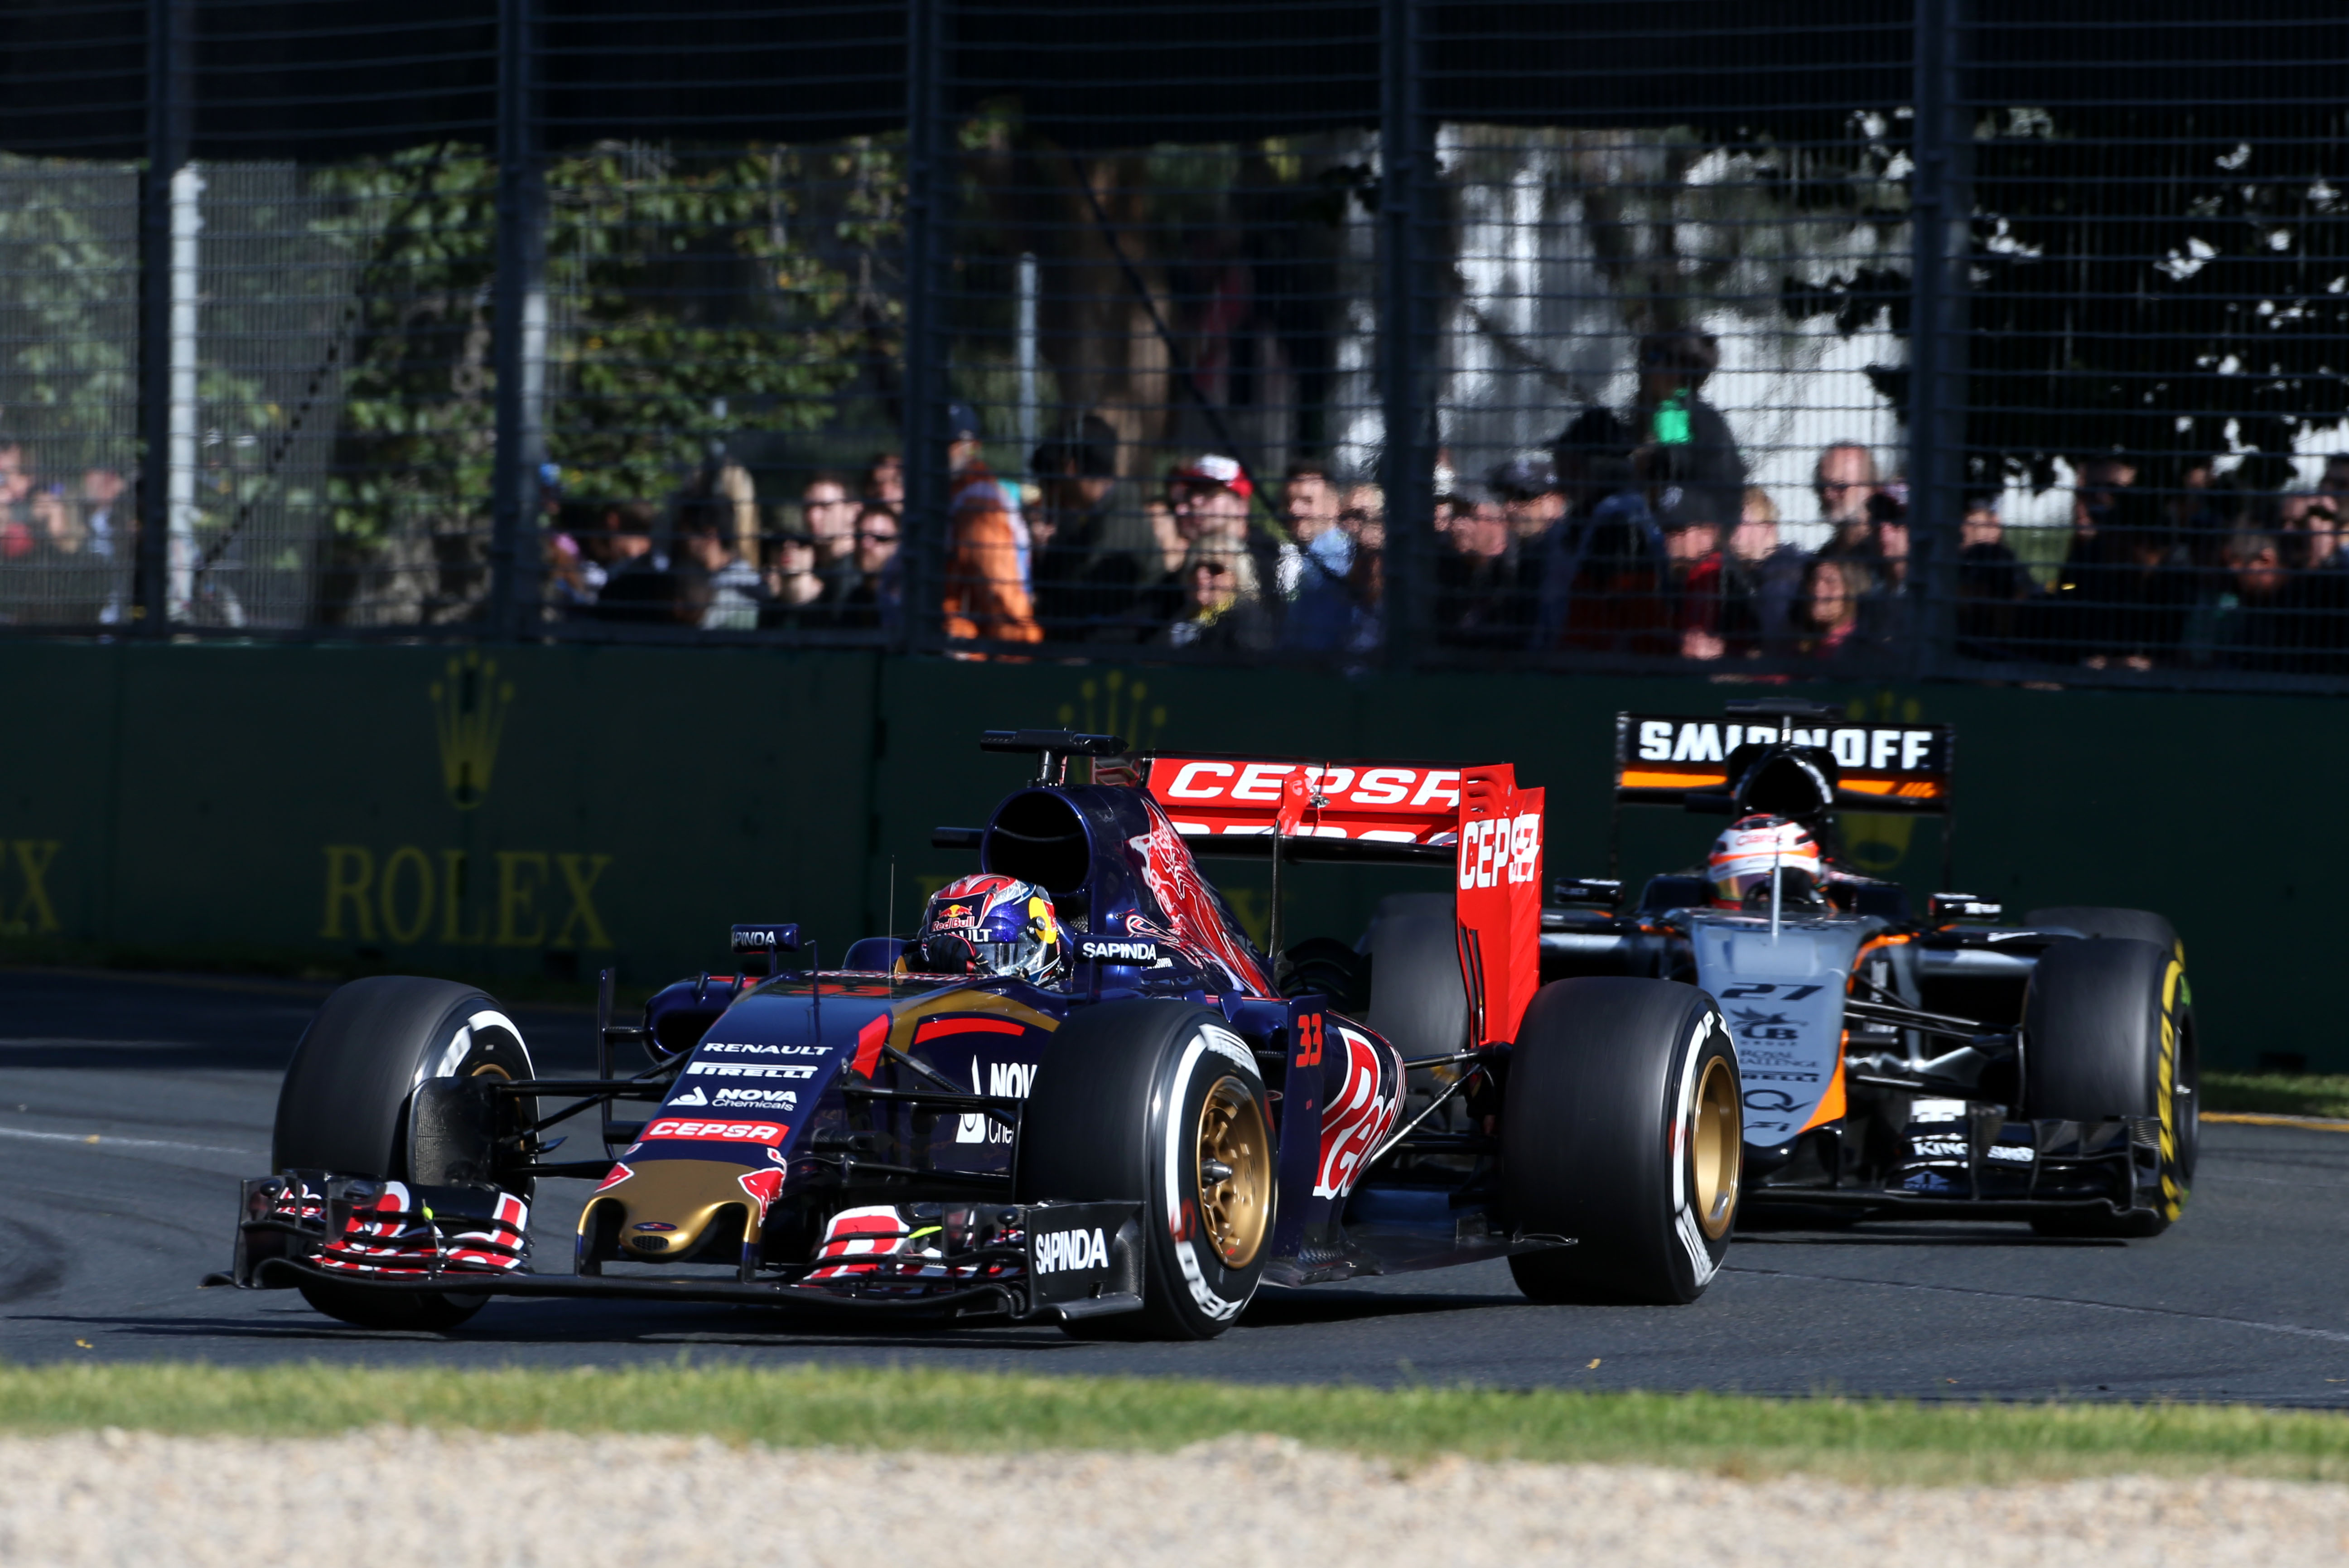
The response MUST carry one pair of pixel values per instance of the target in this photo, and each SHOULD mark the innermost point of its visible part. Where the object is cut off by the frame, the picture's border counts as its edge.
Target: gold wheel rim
(1715, 1143)
(1235, 1173)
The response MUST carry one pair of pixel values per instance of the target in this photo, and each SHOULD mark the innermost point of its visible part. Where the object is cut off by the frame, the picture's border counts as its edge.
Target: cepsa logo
(1500, 849)
(1258, 783)
(770, 1133)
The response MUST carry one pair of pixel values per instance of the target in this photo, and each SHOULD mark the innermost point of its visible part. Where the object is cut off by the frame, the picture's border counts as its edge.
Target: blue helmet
(990, 925)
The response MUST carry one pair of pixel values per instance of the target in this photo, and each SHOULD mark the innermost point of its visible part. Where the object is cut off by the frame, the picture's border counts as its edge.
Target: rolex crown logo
(469, 713)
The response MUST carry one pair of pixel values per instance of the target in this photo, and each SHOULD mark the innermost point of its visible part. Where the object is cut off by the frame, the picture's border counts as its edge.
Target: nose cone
(667, 1209)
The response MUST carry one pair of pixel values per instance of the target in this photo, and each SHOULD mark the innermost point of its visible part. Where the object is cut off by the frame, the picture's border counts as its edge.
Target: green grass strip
(1860, 1439)
(2277, 1094)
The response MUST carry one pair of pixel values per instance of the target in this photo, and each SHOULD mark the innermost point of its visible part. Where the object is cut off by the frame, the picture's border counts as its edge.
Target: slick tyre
(1159, 1101)
(2108, 1030)
(1621, 1129)
(346, 1107)
(1419, 1000)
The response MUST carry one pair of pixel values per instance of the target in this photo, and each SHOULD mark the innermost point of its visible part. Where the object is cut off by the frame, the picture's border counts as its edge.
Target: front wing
(1065, 1260)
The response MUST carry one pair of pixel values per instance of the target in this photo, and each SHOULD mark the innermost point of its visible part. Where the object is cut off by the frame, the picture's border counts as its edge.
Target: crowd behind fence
(1945, 339)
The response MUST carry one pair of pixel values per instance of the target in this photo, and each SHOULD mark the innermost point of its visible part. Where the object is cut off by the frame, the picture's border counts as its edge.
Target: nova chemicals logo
(1066, 1251)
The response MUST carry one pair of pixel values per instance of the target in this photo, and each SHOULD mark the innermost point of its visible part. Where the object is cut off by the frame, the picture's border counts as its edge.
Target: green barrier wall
(544, 811)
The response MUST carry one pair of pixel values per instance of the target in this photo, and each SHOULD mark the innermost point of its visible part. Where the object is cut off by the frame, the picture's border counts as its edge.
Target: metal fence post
(922, 403)
(518, 327)
(170, 106)
(1941, 221)
(1406, 472)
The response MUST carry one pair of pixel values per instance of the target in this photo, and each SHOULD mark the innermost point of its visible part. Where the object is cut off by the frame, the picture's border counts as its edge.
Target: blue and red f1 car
(1133, 1148)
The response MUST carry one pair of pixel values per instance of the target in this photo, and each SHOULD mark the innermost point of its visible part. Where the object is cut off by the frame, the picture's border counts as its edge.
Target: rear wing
(1666, 760)
(1475, 821)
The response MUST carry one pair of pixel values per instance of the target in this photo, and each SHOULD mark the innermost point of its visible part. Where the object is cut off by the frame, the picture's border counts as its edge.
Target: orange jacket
(983, 596)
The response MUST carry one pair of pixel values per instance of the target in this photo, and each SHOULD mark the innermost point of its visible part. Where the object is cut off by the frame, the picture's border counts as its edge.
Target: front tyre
(1621, 1129)
(1158, 1101)
(2108, 1030)
(346, 1102)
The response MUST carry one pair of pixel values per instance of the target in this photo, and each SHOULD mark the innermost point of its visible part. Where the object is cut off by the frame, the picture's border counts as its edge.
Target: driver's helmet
(1747, 849)
(989, 925)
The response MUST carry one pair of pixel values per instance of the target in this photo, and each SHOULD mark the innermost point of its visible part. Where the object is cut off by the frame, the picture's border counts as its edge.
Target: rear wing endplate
(1475, 821)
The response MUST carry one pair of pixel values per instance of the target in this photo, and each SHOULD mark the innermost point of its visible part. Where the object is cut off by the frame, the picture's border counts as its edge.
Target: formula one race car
(1079, 1091)
(1887, 1065)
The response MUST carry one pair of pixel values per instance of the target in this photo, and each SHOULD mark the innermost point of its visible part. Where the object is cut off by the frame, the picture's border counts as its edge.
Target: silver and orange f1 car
(1131, 1145)
(1953, 1065)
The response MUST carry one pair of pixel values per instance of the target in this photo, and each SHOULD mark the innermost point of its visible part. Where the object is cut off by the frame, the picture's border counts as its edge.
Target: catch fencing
(1946, 340)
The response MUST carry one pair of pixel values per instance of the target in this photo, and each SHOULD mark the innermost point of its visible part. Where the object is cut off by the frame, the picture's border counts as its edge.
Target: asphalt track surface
(131, 1106)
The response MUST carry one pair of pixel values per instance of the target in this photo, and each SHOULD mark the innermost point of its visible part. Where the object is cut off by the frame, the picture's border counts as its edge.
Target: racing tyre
(2125, 925)
(1621, 1129)
(345, 1105)
(1158, 1101)
(2108, 1030)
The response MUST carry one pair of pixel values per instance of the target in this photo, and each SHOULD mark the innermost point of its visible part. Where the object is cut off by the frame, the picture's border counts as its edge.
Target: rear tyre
(1158, 1101)
(2108, 1031)
(345, 1107)
(1621, 1127)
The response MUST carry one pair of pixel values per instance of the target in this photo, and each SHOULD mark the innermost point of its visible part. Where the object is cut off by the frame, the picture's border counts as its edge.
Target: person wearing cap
(984, 593)
(1220, 576)
(1699, 455)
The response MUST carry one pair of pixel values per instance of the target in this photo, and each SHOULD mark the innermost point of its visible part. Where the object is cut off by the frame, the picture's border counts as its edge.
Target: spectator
(1704, 464)
(1366, 584)
(1827, 610)
(2309, 522)
(2254, 628)
(1527, 489)
(1476, 584)
(796, 589)
(984, 593)
(1759, 578)
(1694, 551)
(1605, 589)
(111, 530)
(885, 480)
(1081, 584)
(2334, 485)
(1844, 479)
(828, 516)
(728, 586)
(1319, 566)
(1211, 507)
(1219, 617)
(1309, 510)
(875, 600)
(2131, 613)
(1991, 583)
(638, 584)
(2097, 484)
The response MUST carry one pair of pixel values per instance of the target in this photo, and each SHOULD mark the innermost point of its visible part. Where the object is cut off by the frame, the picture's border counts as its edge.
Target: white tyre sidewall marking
(461, 1046)
(1223, 1043)
(1684, 1219)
